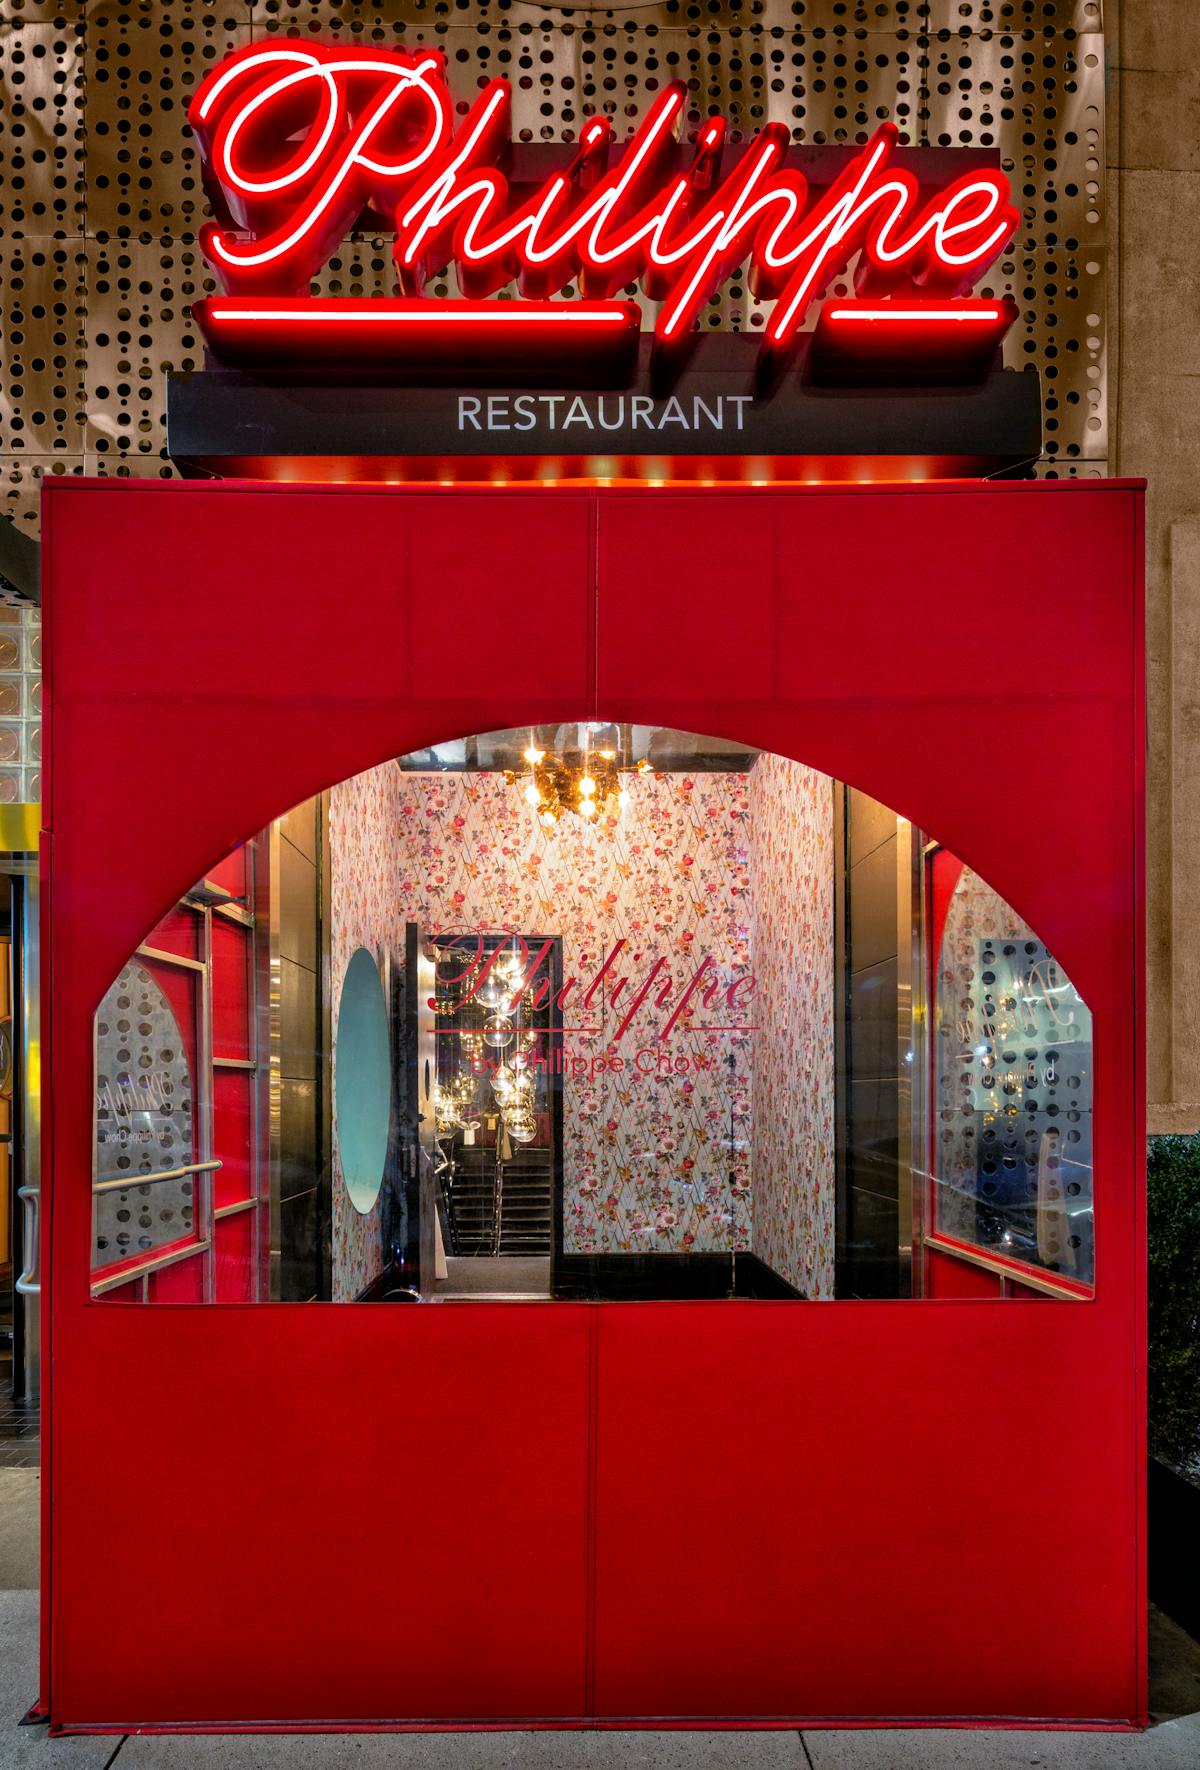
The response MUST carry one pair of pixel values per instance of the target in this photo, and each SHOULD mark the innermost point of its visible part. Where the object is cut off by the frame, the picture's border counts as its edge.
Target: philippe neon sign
(299, 141)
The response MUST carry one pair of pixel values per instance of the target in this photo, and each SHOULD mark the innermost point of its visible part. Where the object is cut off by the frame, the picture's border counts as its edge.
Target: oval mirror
(362, 1082)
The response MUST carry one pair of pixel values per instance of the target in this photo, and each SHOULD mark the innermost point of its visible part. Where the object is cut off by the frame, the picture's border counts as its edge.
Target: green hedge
(1174, 1299)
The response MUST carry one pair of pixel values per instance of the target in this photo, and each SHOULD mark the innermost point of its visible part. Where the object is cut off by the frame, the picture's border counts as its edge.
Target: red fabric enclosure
(608, 1511)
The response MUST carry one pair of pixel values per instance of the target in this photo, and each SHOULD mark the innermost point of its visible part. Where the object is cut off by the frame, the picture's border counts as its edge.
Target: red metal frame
(758, 1513)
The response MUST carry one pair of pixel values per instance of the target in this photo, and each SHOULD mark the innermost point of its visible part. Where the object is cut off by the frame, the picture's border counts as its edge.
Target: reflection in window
(1013, 1132)
(143, 1122)
(181, 1189)
(635, 1012)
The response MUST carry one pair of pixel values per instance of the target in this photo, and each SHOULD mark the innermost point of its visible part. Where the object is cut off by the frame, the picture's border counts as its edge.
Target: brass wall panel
(41, 297)
(42, 189)
(100, 198)
(139, 294)
(143, 60)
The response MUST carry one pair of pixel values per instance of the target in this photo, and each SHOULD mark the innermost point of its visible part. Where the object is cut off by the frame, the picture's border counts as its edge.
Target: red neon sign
(300, 140)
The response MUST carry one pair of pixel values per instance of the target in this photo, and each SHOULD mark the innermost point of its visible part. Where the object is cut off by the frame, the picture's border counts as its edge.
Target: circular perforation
(101, 199)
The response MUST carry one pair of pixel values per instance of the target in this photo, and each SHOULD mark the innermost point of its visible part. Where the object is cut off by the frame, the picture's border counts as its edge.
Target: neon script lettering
(300, 140)
(610, 985)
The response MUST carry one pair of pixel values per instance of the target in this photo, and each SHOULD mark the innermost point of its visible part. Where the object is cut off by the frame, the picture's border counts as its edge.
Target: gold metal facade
(101, 201)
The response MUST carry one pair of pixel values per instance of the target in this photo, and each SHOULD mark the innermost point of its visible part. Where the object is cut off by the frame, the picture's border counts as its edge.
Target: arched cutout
(699, 1076)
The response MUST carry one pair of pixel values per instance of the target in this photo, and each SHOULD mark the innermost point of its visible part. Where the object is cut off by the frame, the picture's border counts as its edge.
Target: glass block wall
(20, 706)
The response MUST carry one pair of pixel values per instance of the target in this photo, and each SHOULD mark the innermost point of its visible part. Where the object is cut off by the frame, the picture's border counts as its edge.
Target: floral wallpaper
(792, 1091)
(658, 1155)
(365, 910)
(654, 1156)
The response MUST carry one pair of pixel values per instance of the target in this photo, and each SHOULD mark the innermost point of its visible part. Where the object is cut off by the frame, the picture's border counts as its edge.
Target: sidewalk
(1174, 1744)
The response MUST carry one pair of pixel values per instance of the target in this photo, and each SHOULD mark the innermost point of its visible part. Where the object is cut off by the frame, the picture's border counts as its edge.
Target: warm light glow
(335, 329)
(420, 313)
(589, 783)
(937, 315)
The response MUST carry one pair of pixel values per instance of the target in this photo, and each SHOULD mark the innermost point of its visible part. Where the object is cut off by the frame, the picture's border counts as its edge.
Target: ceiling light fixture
(589, 782)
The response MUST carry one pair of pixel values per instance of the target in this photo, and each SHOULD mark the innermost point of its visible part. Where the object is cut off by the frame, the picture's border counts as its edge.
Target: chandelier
(590, 782)
(497, 1049)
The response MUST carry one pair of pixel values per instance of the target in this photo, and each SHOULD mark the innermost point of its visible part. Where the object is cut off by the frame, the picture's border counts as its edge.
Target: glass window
(1012, 1141)
(588, 1011)
(145, 1132)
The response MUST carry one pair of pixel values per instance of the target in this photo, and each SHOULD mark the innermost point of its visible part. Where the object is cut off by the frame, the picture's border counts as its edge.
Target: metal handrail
(29, 1284)
(124, 1181)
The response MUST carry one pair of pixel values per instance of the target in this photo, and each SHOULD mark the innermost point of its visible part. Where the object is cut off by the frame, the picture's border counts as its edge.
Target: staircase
(526, 1191)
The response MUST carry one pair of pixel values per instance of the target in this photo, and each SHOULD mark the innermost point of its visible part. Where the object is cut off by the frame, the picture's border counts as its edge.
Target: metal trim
(235, 1210)
(906, 841)
(256, 961)
(233, 912)
(1034, 1281)
(163, 958)
(205, 1107)
(152, 1263)
(268, 1026)
(29, 1281)
(919, 1068)
(29, 1120)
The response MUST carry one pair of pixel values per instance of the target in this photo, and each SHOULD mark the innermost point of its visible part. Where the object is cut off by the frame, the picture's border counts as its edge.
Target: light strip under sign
(961, 314)
(336, 330)
(433, 313)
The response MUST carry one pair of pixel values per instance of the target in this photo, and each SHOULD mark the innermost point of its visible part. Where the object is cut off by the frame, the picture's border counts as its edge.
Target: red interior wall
(615, 1510)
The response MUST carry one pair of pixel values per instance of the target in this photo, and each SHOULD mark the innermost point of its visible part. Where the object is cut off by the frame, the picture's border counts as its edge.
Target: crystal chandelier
(589, 782)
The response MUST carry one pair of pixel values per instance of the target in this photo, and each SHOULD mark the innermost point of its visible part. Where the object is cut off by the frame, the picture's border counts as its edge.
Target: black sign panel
(716, 407)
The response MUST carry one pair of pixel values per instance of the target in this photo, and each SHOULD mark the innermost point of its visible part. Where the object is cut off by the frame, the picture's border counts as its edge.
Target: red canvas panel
(229, 874)
(233, 1268)
(946, 1276)
(233, 1129)
(858, 641)
(176, 932)
(614, 1510)
(231, 986)
(125, 1293)
(181, 1283)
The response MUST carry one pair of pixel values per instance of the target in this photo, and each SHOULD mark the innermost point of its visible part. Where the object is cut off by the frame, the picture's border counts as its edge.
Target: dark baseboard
(612, 1278)
(631, 1278)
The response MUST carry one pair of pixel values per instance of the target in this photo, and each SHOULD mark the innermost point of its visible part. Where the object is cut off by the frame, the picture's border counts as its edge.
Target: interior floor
(514, 1280)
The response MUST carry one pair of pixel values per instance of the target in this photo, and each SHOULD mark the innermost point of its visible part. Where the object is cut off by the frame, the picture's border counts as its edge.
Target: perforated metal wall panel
(101, 202)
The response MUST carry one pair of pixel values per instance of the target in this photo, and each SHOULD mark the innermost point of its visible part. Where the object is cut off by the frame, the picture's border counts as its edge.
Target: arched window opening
(591, 1012)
